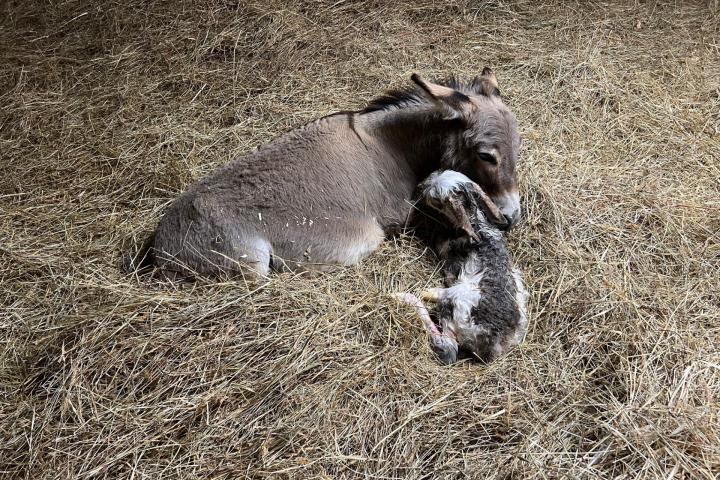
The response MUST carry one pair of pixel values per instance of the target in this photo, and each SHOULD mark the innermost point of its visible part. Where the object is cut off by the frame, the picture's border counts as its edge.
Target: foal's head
(483, 139)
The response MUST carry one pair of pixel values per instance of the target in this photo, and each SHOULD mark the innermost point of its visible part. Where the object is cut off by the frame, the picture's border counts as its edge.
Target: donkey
(482, 309)
(328, 192)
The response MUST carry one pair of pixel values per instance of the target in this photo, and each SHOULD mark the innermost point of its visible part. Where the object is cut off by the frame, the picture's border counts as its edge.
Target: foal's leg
(445, 346)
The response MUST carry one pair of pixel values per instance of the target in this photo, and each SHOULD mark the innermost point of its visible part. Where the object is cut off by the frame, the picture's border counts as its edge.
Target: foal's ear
(487, 84)
(451, 103)
(491, 211)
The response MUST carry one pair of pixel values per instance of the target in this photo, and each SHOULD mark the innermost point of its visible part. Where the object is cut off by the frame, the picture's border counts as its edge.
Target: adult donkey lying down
(328, 192)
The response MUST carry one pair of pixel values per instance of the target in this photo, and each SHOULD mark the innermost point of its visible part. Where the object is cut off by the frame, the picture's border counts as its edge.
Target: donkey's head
(483, 139)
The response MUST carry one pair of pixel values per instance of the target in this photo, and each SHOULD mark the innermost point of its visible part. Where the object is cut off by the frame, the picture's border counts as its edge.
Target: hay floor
(109, 109)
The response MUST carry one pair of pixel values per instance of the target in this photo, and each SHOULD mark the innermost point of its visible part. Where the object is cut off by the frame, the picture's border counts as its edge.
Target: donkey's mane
(412, 95)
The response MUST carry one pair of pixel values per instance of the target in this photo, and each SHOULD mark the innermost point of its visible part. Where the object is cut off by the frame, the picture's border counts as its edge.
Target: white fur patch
(362, 247)
(442, 184)
(472, 271)
(463, 296)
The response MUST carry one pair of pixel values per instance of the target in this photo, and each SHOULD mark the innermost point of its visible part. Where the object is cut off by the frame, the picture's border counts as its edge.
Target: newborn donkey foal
(482, 309)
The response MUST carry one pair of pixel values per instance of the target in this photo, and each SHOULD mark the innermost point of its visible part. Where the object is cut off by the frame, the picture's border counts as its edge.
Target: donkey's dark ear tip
(420, 82)
(487, 71)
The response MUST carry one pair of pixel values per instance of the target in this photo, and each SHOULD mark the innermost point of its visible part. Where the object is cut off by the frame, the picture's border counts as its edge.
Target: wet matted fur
(481, 312)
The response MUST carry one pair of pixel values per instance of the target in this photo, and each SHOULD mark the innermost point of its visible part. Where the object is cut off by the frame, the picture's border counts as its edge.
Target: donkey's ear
(451, 103)
(486, 84)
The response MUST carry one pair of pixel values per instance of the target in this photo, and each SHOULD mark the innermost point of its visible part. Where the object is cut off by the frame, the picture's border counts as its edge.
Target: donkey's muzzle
(509, 205)
(510, 222)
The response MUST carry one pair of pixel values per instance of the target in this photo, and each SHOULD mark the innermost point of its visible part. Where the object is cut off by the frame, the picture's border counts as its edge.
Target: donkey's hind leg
(245, 256)
(255, 257)
(199, 236)
(445, 346)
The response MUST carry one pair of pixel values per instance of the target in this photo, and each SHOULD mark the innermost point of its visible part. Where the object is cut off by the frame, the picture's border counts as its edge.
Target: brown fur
(327, 192)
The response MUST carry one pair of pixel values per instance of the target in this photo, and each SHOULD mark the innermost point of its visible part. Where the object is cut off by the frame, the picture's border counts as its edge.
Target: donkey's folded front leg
(444, 345)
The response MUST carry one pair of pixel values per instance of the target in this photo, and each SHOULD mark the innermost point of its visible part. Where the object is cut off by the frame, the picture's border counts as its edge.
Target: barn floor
(108, 109)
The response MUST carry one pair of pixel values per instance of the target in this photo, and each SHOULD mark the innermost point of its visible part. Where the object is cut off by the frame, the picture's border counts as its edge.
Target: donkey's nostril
(511, 220)
(509, 206)
(508, 223)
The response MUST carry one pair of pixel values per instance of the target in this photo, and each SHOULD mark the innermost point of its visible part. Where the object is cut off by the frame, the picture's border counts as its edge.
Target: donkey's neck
(416, 135)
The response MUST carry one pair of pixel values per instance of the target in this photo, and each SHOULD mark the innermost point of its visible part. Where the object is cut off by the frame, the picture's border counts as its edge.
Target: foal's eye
(486, 157)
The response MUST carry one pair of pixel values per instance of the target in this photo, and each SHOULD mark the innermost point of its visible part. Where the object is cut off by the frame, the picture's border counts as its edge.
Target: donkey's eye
(486, 157)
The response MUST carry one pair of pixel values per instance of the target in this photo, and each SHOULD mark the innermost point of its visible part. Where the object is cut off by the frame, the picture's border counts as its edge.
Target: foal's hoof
(445, 348)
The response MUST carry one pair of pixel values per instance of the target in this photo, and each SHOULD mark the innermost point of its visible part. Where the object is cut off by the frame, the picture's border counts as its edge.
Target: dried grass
(110, 108)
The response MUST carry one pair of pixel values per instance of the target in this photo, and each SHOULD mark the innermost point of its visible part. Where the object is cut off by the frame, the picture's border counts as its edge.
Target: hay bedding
(110, 108)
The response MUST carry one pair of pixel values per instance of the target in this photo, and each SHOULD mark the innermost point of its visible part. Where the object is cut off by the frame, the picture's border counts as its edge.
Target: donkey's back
(314, 197)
